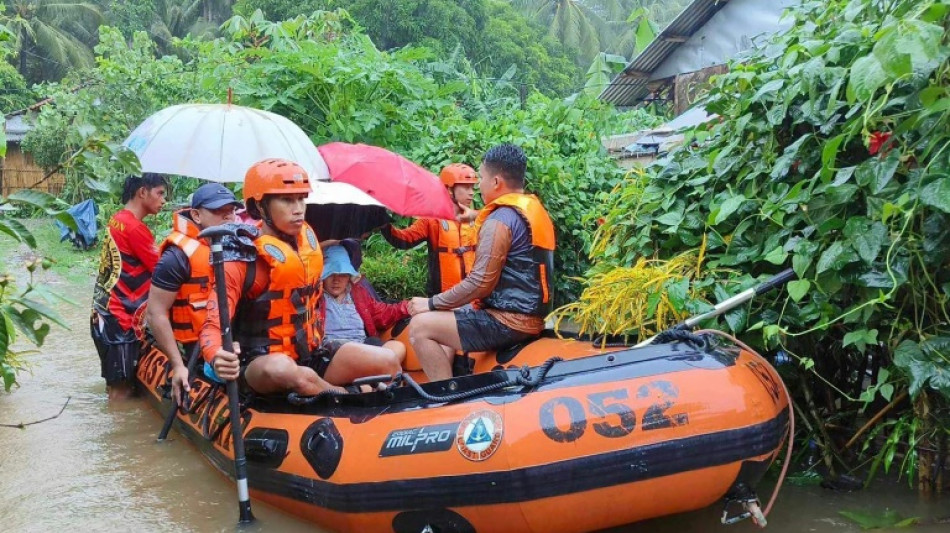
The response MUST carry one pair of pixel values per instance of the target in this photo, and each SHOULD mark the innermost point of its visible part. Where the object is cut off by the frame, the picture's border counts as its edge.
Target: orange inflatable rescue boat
(558, 436)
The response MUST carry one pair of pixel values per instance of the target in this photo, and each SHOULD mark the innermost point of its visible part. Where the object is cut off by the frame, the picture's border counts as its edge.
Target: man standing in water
(182, 279)
(511, 282)
(126, 264)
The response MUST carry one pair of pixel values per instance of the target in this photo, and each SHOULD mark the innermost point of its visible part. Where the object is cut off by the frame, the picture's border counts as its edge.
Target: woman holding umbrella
(274, 299)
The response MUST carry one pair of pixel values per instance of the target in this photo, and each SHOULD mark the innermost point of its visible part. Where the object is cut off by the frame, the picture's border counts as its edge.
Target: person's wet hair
(508, 162)
(149, 180)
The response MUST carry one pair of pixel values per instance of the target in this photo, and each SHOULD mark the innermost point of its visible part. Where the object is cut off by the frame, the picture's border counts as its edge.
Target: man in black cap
(181, 281)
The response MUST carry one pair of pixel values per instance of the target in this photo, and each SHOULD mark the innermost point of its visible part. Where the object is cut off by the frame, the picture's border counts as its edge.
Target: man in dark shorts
(510, 286)
(125, 269)
(182, 279)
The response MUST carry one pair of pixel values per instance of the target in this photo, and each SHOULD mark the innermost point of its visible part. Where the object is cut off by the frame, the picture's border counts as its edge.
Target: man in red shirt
(126, 263)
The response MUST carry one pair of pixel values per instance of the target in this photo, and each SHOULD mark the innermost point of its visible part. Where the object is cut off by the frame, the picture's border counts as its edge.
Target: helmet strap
(265, 216)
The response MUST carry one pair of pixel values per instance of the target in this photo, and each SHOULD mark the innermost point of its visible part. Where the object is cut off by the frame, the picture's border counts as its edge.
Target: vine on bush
(829, 154)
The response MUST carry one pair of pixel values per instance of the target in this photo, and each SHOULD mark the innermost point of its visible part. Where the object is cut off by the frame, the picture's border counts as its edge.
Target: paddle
(775, 281)
(170, 418)
(214, 234)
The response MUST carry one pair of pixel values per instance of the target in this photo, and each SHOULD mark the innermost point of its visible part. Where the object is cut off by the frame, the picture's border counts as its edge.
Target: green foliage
(926, 363)
(590, 27)
(14, 94)
(492, 34)
(395, 274)
(830, 155)
(601, 71)
(328, 77)
(130, 16)
(52, 36)
(824, 163)
(888, 519)
(82, 133)
(24, 311)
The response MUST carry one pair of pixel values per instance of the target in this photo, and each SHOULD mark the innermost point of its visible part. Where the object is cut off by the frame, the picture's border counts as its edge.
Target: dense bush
(325, 75)
(395, 274)
(491, 34)
(830, 156)
(14, 94)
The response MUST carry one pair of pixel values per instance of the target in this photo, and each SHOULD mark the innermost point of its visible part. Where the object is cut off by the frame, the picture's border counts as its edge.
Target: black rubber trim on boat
(531, 483)
(266, 447)
(322, 446)
(622, 365)
(438, 521)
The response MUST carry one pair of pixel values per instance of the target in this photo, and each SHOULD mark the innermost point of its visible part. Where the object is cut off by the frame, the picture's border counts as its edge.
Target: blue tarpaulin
(84, 213)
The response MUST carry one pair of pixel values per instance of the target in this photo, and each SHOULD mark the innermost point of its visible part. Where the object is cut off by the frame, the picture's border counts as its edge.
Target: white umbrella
(338, 210)
(219, 142)
(337, 192)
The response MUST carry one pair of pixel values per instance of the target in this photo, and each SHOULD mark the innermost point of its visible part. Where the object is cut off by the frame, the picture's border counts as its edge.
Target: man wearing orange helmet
(451, 242)
(274, 299)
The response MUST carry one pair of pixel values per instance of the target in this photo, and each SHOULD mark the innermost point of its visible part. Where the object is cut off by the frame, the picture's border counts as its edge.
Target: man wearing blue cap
(181, 283)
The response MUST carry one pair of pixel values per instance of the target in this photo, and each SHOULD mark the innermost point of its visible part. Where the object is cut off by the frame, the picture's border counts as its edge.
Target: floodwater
(98, 467)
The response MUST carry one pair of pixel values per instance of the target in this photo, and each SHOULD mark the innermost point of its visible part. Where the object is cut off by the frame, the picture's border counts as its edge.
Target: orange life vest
(283, 319)
(455, 243)
(190, 305)
(525, 285)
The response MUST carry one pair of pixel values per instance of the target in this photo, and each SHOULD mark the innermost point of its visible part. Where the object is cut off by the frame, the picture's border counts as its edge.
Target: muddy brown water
(97, 467)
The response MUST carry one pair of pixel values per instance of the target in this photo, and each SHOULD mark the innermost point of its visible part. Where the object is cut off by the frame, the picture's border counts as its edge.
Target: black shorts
(480, 332)
(119, 350)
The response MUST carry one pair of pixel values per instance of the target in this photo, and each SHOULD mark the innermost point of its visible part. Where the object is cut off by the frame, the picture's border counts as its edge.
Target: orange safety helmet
(458, 173)
(275, 176)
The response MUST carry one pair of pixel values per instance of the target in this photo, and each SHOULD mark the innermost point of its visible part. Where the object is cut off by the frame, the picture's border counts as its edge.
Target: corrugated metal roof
(630, 86)
(17, 126)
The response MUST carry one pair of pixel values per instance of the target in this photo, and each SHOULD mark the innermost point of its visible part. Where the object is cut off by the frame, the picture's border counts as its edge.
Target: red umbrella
(396, 182)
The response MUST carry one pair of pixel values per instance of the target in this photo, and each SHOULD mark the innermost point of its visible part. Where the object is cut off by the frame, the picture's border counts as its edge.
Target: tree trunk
(925, 454)
(23, 47)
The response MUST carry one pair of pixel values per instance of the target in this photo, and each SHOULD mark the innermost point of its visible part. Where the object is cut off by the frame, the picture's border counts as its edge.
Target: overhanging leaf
(38, 199)
(26, 323)
(798, 289)
(937, 194)
(18, 231)
(867, 76)
(923, 368)
(868, 243)
(829, 257)
(730, 206)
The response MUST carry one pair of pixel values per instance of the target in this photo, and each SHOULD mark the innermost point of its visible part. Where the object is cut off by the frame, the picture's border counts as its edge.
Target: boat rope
(699, 341)
(791, 415)
(522, 378)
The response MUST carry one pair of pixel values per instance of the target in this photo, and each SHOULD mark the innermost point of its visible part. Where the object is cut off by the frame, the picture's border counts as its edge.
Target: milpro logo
(435, 438)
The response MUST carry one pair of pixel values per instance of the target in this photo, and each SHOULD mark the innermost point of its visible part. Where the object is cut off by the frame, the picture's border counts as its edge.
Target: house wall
(737, 27)
(690, 86)
(18, 172)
